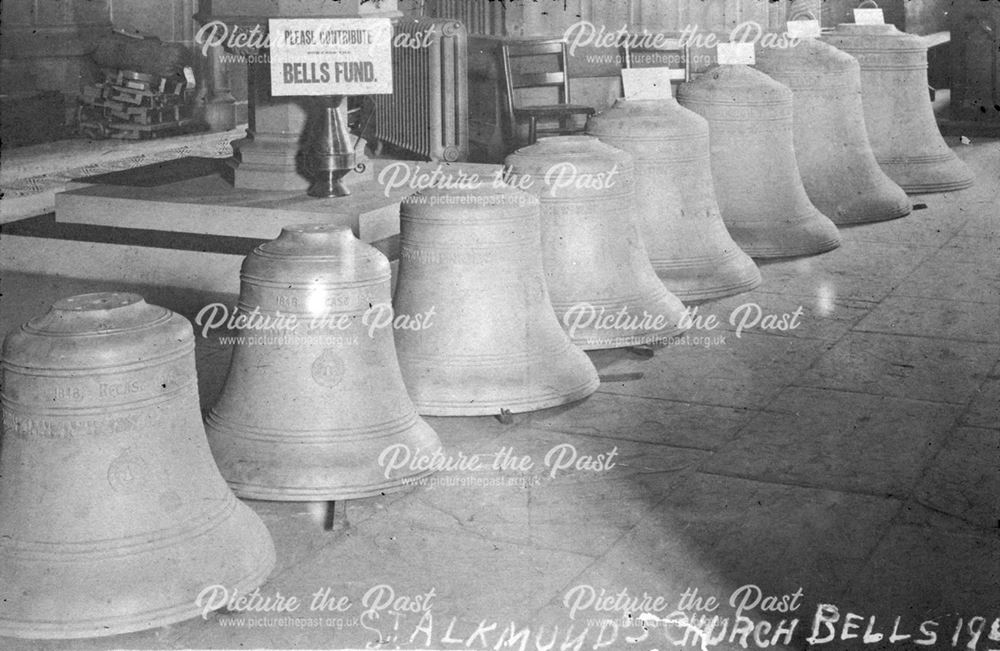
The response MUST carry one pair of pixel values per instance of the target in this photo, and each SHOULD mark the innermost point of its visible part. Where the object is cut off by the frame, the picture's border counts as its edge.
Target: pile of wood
(134, 105)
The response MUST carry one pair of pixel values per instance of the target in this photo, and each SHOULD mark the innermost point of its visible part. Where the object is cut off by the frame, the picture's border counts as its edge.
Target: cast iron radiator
(427, 113)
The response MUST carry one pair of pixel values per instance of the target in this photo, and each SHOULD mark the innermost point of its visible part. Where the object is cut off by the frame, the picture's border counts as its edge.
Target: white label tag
(736, 54)
(189, 77)
(868, 16)
(803, 28)
(646, 83)
(330, 56)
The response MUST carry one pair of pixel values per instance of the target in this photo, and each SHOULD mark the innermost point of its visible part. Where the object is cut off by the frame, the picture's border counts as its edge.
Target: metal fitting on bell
(330, 156)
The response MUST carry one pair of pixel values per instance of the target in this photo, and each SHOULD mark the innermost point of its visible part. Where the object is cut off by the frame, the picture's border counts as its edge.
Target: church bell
(757, 181)
(897, 107)
(473, 256)
(604, 288)
(682, 229)
(314, 393)
(832, 149)
(113, 515)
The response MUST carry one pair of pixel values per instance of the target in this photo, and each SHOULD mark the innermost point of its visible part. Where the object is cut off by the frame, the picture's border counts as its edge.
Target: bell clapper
(505, 417)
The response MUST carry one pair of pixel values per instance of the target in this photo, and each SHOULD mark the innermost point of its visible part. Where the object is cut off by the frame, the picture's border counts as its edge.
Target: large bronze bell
(603, 286)
(757, 182)
(113, 515)
(682, 229)
(474, 257)
(314, 393)
(898, 114)
(835, 159)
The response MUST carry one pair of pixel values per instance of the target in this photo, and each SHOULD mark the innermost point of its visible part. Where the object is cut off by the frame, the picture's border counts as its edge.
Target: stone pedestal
(268, 157)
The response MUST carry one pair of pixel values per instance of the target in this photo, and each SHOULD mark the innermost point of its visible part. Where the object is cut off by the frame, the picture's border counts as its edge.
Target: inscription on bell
(118, 389)
(53, 428)
(287, 301)
(342, 299)
(67, 393)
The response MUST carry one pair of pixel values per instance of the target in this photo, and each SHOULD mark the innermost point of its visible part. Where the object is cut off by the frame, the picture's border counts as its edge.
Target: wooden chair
(562, 112)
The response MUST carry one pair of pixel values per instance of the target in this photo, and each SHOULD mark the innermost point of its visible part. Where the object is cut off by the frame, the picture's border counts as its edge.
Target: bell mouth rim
(97, 301)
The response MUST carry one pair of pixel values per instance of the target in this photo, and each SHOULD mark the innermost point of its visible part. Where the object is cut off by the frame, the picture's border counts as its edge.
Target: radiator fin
(427, 112)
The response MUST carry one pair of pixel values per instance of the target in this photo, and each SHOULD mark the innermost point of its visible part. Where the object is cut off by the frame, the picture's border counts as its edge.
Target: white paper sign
(869, 16)
(803, 28)
(736, 54)
(330, 56)
(189, 79)
(646, 83)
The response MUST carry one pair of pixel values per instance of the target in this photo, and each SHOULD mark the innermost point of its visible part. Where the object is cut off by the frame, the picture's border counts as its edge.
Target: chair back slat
(535, 48)
(538, 79)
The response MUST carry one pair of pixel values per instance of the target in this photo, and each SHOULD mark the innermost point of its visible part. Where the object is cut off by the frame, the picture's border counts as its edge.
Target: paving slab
(838, 440)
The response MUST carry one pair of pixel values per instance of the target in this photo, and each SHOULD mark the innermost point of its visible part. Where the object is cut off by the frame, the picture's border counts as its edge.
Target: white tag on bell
(808, 28)
(189, 77)
(736, 54)
(646, 83)
(869, 16)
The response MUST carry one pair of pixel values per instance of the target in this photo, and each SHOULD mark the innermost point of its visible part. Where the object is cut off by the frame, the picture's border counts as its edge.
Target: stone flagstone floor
(848, 470)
